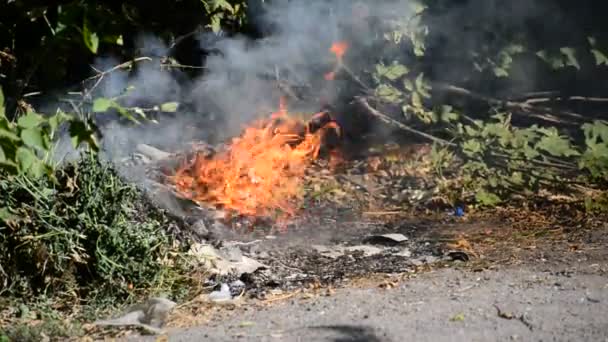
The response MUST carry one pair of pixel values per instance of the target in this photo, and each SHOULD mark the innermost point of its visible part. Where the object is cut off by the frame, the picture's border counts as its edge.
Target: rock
(200, 229)
(404, 253)
(151, 315)
(386, 239)
(231, 253)
(236, 288)
(367, 250)
(458, 256)
(152, 153)
(334, 252)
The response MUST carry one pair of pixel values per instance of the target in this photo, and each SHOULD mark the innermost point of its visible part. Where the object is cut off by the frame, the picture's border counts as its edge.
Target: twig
(276, 299)
(525, 106)
(352, 75)
(567, 98)
(382, 213)
(100, 75)
(181, 38)
(385, 118)
(557, 164)
(7, 56)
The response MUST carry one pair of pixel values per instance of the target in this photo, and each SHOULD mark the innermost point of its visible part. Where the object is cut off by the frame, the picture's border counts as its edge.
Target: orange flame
(339, 49)
(261, 172)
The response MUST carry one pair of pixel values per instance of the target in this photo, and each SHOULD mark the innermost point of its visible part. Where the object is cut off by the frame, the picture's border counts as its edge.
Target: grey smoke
(239, 83)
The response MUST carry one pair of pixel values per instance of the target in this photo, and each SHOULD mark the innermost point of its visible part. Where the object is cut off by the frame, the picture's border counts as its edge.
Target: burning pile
(261, 172)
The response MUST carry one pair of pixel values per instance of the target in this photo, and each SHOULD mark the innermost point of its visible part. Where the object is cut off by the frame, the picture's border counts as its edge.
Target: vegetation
(79, 233)
(514, 147)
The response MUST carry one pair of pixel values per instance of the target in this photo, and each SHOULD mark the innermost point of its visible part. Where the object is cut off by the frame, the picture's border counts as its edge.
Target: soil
(532, 273)
(528, 282)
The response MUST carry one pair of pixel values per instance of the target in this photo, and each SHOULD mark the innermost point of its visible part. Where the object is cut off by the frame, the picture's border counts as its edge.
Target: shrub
(85, 235)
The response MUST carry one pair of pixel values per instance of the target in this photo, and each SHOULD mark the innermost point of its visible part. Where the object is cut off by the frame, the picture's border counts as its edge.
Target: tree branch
(385, 118)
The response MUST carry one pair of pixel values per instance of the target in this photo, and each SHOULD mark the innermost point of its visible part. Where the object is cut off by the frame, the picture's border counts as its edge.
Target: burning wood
(260, 172)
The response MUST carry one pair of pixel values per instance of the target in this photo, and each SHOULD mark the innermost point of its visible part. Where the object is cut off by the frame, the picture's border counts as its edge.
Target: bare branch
(385, 118)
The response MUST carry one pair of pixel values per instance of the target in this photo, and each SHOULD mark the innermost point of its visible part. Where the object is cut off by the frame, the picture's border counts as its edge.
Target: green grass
(85, 243)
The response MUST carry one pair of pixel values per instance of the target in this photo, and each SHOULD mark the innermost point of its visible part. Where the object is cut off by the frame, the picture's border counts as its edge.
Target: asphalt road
(559, 302)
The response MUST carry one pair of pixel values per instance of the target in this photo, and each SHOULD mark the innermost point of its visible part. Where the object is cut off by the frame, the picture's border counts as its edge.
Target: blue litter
(459, 212)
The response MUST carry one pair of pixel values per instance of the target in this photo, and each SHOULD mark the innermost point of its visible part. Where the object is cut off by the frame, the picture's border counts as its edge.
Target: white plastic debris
(222, 295)
(222, 263)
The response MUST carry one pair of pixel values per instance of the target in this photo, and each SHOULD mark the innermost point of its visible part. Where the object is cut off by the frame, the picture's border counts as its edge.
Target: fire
(261, 171)
(338, 49)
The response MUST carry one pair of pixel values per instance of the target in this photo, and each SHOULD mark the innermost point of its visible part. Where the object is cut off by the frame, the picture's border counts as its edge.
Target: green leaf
(216, 24)
(501, 72)
(222, 4)
(570, 54)
(416, 100)
(530, 152)
(8, 134)
(422, 86)
(393, 71)
(30, 120)
(595, 131)
(25, 158)
(600, 58)
(389, 93)
(408, 84)
(56, 120)
(458, 318)
(2, 110)
(102, 104)
(556, 62)
(470, 131)
(169, 107)
(91, 39)
(592, 41)
(557, 146)
(81, 133)
(32, 137)
(517, 178)
(472, 147)
(5, 214)
(486, 198)
(38, 169)
(418, 7)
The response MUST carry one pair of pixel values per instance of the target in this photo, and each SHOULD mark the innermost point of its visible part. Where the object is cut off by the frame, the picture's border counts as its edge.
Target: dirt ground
(528, 279)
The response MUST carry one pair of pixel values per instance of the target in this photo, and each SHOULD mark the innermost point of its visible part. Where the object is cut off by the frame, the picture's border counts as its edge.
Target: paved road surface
(544, 303)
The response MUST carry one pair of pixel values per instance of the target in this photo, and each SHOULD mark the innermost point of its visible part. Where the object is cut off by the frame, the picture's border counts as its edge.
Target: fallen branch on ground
(527, 106)
(385, 118)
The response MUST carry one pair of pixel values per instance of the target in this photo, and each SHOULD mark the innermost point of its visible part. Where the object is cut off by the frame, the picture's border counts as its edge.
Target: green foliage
(86, 235)
(502, 160)
(26, 145)
(497, 159)
(441, 159)
(595, 156)
(220, 10)
(501, 63)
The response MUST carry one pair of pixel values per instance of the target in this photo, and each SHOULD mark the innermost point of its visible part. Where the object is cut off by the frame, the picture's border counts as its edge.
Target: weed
(87, 238)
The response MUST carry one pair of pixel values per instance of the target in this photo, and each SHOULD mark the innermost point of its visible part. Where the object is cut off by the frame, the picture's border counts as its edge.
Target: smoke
(241, 75)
